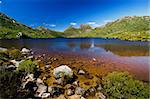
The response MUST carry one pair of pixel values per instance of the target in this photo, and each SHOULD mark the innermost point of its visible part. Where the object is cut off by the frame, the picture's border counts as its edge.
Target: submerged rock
(74, 97)
(69, 92)
(99, 87)
(61, 97)
(53, 90)
(81, 72)
(79, 91)
(62, 71)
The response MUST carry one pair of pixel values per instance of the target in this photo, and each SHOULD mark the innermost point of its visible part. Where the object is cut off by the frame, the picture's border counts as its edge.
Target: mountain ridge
(126, 28)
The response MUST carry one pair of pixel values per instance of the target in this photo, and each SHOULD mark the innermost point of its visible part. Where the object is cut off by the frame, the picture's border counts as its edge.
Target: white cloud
(91, 23)
(73, 23)
(32, 25)
(49, 25)
(106, 21)
(52, 25)
(0, 2)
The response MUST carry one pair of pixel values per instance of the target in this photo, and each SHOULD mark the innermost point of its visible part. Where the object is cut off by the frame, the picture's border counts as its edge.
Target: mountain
(71, 31)
(10, 28)
(126, 28)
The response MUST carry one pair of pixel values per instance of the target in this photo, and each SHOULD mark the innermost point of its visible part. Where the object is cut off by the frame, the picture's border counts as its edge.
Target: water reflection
(105, 46)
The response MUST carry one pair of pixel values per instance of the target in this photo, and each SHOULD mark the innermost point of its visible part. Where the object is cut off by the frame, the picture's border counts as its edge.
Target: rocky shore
(25, 76)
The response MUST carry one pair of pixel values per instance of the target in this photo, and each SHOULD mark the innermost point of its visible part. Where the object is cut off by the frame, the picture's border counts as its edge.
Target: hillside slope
(126, 28)
(10, 28)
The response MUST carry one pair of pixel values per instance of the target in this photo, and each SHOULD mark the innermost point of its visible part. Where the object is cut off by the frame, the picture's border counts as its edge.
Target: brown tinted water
(98, 56)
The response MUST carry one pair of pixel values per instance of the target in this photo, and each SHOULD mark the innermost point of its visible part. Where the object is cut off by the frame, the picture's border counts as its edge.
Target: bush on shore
(27, 66)
(118, 85)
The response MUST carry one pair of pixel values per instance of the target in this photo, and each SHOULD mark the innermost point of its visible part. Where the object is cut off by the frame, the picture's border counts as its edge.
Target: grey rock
(74, 97)
(25, 50)
(53, 90)
(60, 81)
(41, 89)
(45, 95)
(16, 63)
(91, 90)
(100, 95)
(3, 49)
(39, 81)
(69, 92)
(76, 83)
(30, 57)
(82, 98)
(62, 71)
(79, 91)
(81, 72)
(99, 88)
(11, 67)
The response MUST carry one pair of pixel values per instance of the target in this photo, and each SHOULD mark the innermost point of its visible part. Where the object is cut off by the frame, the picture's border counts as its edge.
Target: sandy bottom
(98, 65)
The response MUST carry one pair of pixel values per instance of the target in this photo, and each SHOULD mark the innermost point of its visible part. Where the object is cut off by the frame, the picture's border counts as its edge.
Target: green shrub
(15, 54)
(121, 85)
(9, 84)
(27, 66)
(4, 55)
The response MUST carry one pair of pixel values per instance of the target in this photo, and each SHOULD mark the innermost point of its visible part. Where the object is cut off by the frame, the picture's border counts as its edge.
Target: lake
(97, 55)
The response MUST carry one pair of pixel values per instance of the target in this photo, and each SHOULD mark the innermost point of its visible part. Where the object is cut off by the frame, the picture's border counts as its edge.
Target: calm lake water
(97, 54)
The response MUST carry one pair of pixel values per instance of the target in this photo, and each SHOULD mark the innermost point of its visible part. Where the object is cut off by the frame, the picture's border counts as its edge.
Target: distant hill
(10, 28)
(126, 28)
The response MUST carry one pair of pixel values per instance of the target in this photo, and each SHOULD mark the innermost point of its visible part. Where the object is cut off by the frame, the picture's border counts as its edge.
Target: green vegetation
(9, 83)
(118, 85)
(126, 28)
(10, 28)
(27, 66)
(15, 54)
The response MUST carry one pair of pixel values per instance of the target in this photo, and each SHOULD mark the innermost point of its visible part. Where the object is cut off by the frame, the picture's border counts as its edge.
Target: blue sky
(59, 14)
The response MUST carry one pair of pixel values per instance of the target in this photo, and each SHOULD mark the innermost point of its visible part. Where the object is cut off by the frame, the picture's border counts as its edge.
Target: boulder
(62, 71)
(25, 50)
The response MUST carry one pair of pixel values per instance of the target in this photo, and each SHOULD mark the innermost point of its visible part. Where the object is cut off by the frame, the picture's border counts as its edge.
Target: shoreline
(51, 76)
